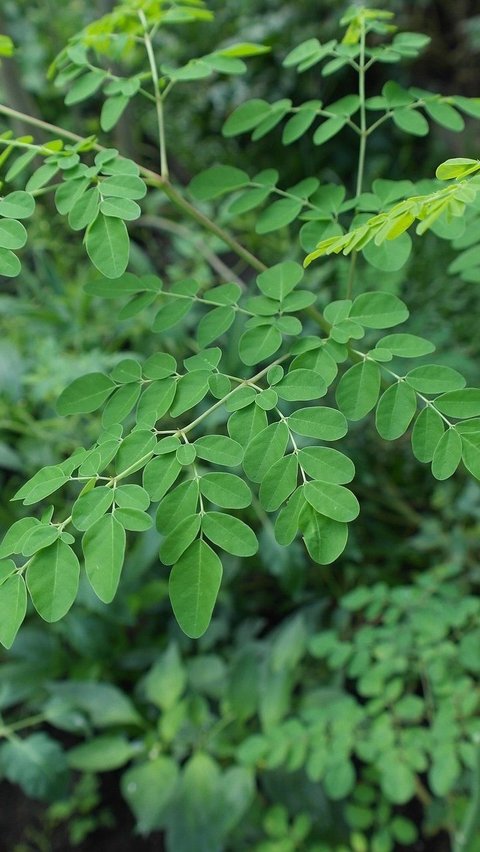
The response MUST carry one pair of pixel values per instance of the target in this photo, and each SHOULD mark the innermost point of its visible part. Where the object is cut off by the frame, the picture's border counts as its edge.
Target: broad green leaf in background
(148, 788)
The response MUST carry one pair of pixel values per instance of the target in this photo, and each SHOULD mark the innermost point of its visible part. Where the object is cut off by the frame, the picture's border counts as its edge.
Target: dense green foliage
(185, 440)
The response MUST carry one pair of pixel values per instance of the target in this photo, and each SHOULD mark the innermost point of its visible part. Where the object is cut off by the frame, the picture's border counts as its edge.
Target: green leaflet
(325, 539)
(358, 389)
(112, 110)
(193, 586)
(395, 411)
(287, 523)
(52, 580)
(406, 345)
(244, 424)
(327, 464)
(159, 474)
(332, 500)
(186, 454)
(133, 519)
(278, 215)
(432, 379)
(120, 404)
(180, 537)
(471, 453)
(460, 403)
(159, 366)
(267, 447)
(225, 490)
(378, 310)
(229, 533)
(278, 281)
(447, 455)
(214, 324)
(131, 497)
(41, 536)
(108, 245)
(17, 205)
(179, 503)
(302, 385)
(44, 482)
(216, 181)
(191, 389)
(279, 483)
(155, 401)
(15, 536)
(104, 549)
(134, 451)
(13, 607)
(426, 434)
(321, 422)
(246, 117)
(219, 449)
(123, 186)
(85, 394)
(258, 344)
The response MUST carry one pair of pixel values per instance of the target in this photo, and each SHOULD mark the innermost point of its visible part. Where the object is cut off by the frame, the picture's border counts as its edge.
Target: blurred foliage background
(374, 659)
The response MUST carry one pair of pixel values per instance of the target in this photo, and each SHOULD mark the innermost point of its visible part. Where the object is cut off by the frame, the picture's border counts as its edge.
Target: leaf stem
(158, 99)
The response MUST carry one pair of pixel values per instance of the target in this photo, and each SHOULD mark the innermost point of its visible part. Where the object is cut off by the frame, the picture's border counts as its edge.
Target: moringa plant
(191, 438)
